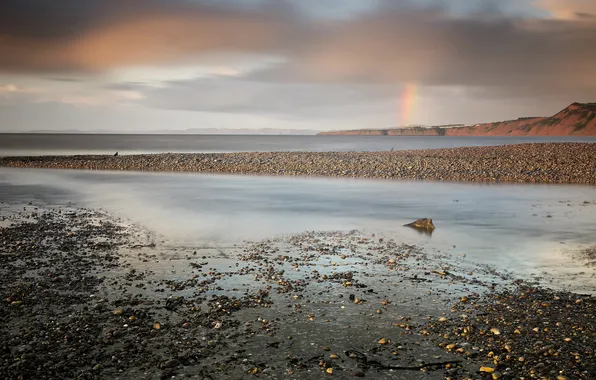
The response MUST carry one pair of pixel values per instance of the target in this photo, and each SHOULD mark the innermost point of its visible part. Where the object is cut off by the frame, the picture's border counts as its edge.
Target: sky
(144, 65)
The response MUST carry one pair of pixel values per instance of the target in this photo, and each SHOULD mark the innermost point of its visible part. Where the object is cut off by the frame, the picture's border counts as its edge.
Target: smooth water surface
(523, 228)
(53, 144)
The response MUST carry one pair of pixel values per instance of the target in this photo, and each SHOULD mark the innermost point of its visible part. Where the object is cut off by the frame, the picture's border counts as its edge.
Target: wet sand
(529, 163)
(85, 295)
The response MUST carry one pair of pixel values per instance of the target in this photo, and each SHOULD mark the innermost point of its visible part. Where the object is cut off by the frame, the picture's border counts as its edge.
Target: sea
(532, 230)
(16, 144)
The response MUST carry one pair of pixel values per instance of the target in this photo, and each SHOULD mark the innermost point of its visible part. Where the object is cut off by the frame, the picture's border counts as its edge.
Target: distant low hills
(578, 119)
(189, 131)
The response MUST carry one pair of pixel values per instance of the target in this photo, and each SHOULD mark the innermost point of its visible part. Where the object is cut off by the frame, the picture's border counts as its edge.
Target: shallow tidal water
(529, 230)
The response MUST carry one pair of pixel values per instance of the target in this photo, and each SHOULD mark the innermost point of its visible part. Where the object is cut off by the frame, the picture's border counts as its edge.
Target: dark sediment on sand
(85, 296)
(536, 163)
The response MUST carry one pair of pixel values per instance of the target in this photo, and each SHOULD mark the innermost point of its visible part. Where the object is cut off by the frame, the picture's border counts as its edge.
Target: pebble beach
(87, 296)
(526, 163)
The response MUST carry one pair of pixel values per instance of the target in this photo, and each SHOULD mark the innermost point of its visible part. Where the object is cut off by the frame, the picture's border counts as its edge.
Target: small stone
(118, 312)
(326, 348)
(383, 341)
(333, 356)
(487, 369)
(157, 325)
(329, 371)
(495, 331)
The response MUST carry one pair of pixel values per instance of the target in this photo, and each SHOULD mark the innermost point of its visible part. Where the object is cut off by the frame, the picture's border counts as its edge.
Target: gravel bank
(538, 163)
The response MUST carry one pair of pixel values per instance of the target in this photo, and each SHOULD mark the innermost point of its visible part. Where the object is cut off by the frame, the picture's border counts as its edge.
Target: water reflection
(524, 228)
(422, 231)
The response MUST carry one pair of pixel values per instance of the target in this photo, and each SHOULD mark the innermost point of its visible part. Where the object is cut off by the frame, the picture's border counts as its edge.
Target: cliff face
(576, 120)
(416, 131)
(503, 128)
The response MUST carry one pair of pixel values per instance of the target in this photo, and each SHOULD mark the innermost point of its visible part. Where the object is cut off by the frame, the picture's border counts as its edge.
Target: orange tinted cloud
(159, 38)
(155, 36)
(386, 46)
(569, 9)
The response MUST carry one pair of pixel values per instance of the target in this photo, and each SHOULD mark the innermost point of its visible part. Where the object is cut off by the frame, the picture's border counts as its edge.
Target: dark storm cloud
(427, 48)
(389, 45)
(94, 36)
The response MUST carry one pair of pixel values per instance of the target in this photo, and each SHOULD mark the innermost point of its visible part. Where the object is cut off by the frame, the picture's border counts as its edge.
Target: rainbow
(408, 98)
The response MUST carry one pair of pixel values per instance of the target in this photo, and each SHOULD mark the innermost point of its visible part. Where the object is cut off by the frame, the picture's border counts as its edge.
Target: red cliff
(578, 119)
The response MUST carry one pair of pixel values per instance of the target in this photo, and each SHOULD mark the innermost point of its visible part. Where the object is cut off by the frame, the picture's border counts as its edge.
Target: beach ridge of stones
(84, 297)
(526, 163)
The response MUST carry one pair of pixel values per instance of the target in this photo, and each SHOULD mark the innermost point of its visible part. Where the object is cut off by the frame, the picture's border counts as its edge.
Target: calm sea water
(51, 144)
(527, 229)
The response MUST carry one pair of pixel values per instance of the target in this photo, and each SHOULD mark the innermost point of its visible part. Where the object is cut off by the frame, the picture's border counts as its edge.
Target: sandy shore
(537, 163)
(86, 296)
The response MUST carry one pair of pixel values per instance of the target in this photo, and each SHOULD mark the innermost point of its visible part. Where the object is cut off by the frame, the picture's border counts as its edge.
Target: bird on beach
(115, 154)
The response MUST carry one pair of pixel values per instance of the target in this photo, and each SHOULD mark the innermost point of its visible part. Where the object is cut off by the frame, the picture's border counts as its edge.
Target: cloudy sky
(135, 65)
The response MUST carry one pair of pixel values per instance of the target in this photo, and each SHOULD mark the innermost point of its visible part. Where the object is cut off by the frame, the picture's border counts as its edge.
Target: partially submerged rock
(422, 224)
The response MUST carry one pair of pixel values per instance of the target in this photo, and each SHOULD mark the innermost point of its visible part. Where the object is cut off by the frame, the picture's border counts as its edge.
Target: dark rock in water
(116, 154)
(422, 224)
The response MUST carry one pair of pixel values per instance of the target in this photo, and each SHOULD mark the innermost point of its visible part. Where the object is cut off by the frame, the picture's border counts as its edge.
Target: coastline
(569, 163)
(102, 300)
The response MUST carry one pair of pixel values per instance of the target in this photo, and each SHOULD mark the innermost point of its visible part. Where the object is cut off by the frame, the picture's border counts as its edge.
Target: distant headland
(578, 119)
